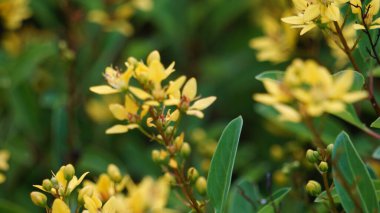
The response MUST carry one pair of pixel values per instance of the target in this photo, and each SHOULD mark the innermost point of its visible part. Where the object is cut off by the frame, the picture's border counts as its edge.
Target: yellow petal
(355, 6)
(300, 5)
(175, 85)
(60, 207)
(295, 20)
(130, 105)
(343, 83)
(315, 110)
(334, 106)
(110, 206)
(171, 102)
(118, 111)
(287, 113)
(156, 72)
(354, 96)
(196, 113)
(307, 28)
(92, 204)
(359, 27)
(311, 12)
(175, 115)
(149, 122)
(265, 99)
(203, 103)
(154, 55)
(190, 89)
(169, 70)
(103, 90)
(332, 12)
(139, 93)
(117, 129)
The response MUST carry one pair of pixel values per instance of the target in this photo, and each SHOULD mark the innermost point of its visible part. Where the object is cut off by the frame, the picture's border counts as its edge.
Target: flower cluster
(118, 19)
(311, 13)
(308, 89)
(154, 104)
(111, 193)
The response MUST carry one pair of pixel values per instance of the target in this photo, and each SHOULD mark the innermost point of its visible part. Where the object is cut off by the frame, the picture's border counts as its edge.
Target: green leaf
(240, 203)
(323, 196)
(376, 123)
(276, 199)
(222, 163)
(352, 172)
(273, 74)
(349, 115)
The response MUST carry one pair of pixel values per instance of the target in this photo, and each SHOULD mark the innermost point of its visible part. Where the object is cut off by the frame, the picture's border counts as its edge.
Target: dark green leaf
(376, 123)
(222, 163)
(350, 171)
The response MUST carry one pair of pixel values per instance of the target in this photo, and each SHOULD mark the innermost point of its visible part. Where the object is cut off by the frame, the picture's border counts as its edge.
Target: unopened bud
(38, 199)
(68, 172)
(192, 174)
(201, 185)
(330, 148)
(114, 172)
(169, 131)
(317, 155)
(185, 149)
(310, 156)
(47, 185)
(323, 166)
(313, 188)
(173, 163)
(54, 181)
(156, 156)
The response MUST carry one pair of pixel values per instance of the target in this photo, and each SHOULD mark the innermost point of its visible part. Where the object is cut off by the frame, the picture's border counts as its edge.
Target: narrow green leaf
(273, 74)
(323, 196)
(244, 197)
(352, 172)
(358, 80)
(376, 123)
(222, 163)
(349, 115)
(276, 199)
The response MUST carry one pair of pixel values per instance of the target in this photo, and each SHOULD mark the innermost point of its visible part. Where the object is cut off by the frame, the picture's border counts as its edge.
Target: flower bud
(68, 172)
(185, 149)
(38, 199)
(313, 188)
(201, 185)
(114, 172)
(173, 163)
(330, 148)
(323, 166)
(169, 131)
(310, 156)
(317, 155)
(54, 181)
(156, 156)
(192, 174)
(47, 185)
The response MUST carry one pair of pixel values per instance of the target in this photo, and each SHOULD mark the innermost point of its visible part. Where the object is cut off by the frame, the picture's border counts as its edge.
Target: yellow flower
(64, 187)
(117, 21)
(312, 12)
(183, 101)
(370, 11)
(278, 42)
(309, 88)
(13, 12)
(92, 204)
(148, 195)
(117, 81)
(59, 206)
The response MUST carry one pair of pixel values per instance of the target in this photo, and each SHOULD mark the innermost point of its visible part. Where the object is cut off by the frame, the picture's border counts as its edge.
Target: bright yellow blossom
(278, 42)
(309, 89)
(183, 101)
(59, 206)
(312, 12)
(370, 11)
(117, 82)
(64, 187)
